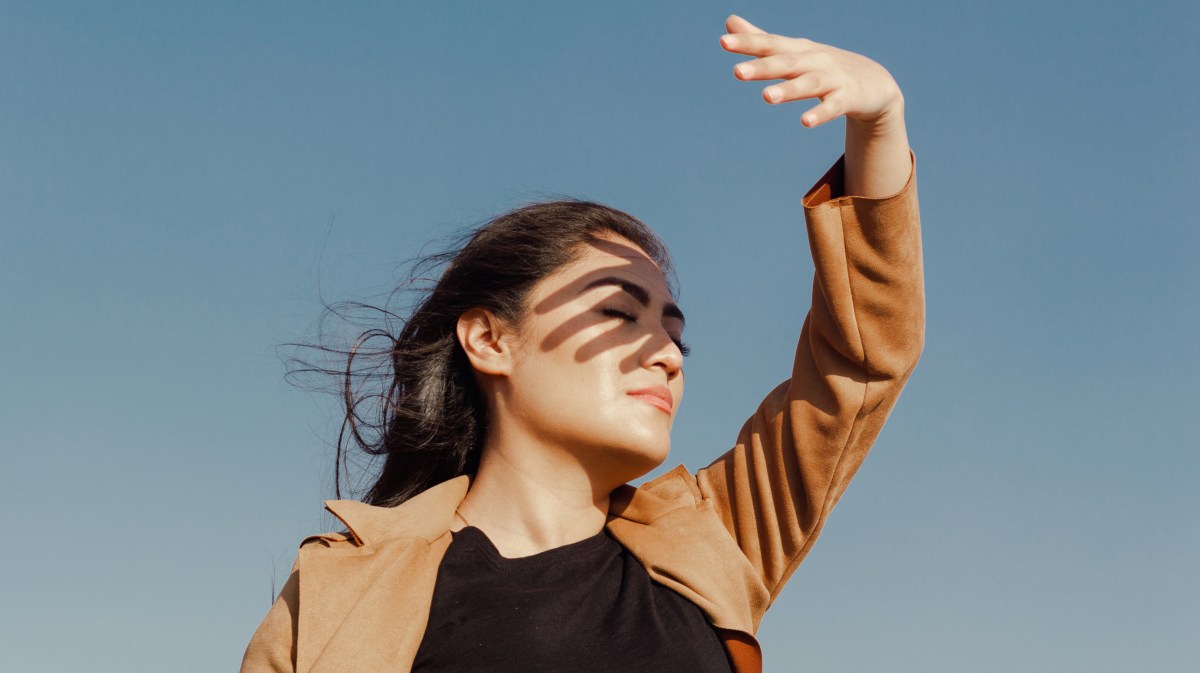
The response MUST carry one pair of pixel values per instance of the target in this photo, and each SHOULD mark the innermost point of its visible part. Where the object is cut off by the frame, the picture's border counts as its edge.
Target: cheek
(558, 386)
(676, 387)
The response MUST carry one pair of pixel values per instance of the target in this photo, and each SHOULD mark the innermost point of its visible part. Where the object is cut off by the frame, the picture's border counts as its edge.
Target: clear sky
(180, 185)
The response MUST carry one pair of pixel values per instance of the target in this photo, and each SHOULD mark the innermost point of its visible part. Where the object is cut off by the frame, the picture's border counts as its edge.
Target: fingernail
(743, 70)
(772, 93)
(728, 40)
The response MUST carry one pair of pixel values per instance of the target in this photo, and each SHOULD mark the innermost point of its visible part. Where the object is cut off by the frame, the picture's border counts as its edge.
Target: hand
(846, 83)
(877, 162)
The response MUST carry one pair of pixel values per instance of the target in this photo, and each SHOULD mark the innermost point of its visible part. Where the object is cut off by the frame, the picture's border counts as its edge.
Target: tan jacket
(727, 537)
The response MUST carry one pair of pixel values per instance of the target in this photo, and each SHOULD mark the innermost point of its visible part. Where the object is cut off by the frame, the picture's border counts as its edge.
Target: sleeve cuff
(832, 186)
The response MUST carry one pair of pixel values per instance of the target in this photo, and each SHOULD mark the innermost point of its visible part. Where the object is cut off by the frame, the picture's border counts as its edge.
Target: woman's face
(598, 369)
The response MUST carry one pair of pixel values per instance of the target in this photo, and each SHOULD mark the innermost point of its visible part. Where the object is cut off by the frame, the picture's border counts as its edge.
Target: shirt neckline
(588, 549)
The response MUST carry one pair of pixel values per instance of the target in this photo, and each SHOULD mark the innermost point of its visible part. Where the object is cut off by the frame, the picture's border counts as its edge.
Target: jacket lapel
(374, 584)
(672, 531)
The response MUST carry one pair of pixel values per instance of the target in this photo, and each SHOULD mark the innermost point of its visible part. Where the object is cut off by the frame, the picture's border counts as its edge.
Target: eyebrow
(639, 293)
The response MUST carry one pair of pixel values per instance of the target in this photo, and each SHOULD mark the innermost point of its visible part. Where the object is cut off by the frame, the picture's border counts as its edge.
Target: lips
(659, 396)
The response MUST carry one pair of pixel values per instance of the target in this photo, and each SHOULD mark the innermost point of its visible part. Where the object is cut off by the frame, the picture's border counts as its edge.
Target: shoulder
(660, 496)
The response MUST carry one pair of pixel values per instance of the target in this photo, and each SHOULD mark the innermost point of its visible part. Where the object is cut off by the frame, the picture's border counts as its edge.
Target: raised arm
(864, 332)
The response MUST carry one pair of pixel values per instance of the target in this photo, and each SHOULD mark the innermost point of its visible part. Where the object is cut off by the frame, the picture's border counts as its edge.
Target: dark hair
(414, 402)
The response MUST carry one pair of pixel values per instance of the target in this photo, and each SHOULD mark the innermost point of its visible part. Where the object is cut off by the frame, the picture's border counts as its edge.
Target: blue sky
(181, 185)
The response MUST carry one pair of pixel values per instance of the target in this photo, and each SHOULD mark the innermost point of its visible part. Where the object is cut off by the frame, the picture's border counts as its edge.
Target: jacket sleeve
(273, 647)
(860, 341)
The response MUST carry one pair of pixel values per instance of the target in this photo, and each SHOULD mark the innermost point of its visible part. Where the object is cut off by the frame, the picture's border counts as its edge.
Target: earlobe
(483, 336)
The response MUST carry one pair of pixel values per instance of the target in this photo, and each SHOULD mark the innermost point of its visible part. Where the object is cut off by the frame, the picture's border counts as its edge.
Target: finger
(827, 110)
(736, 24)
(756, 44)
(777, 66)
(808, 85)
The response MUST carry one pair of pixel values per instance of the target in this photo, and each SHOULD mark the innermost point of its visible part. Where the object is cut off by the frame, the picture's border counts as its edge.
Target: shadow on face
(590, 302)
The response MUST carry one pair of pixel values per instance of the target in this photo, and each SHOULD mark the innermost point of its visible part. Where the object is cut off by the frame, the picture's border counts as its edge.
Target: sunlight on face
(600, 367)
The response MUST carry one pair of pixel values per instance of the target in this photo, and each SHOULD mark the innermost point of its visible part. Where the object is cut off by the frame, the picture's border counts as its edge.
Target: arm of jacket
(860, 341)
(273, 647)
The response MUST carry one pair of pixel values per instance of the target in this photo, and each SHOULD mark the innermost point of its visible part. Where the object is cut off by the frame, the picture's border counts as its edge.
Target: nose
(662, 352)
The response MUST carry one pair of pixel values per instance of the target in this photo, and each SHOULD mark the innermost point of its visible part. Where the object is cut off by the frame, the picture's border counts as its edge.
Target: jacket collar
(431, 513)
(427, 515)
(661, 496)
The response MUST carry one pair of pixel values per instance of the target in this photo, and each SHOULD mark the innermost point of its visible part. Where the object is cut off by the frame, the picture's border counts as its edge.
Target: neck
(528, 499)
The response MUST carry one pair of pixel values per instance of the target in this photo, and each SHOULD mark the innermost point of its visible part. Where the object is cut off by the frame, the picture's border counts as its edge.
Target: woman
(543, 372)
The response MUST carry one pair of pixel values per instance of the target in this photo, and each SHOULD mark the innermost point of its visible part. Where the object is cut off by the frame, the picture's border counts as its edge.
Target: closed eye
(684, 349)
(629, 317)
(617, 313)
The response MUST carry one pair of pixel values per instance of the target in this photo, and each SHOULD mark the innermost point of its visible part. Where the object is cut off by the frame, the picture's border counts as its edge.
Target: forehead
(611, 257)
(616, 256)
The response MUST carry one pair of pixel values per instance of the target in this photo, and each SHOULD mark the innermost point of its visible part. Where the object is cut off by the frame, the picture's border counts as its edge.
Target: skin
(575, 397)
(566, 424)
(845, 83)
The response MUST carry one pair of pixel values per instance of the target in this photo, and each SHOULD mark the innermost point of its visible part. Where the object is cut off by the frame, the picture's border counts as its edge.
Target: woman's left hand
(845, 82)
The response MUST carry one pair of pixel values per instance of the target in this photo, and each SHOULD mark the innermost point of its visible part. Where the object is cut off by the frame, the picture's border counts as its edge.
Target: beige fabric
(727, 537)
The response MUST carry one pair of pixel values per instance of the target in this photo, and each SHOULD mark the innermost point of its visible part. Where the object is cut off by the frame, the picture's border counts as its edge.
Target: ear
(487, 341)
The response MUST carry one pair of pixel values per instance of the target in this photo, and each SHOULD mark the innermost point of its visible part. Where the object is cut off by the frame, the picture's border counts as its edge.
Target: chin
(629, 462)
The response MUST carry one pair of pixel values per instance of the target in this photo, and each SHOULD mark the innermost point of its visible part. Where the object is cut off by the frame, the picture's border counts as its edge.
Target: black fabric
(584, 607)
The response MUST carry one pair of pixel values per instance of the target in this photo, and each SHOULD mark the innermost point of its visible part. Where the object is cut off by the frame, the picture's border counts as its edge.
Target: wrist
(877, 154)
(889, 120)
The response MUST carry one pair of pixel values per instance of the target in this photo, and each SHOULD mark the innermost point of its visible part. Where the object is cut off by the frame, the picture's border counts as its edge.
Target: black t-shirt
(584, 607)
